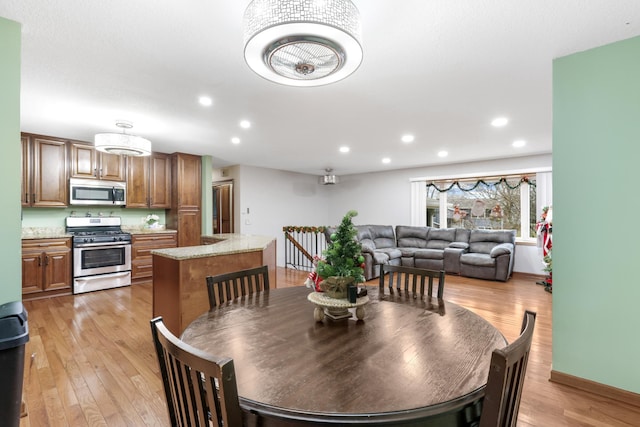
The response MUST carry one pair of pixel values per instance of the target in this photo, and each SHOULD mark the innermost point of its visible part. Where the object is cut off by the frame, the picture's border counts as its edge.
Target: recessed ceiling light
(205, 101)
(443, 153)
(386, 160)
(344, 149)
(408, 138)
(519, 143)
(235, 140)
(499, 122)
(245, 124)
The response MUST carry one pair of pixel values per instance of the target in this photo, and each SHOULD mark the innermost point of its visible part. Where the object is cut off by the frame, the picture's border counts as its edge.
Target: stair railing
(302, 243)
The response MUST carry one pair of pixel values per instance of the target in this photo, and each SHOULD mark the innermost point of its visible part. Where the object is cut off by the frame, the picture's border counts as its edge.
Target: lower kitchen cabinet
(46, 267)
(141, 247)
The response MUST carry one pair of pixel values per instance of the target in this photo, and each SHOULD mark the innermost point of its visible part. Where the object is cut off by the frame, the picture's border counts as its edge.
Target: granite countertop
(142, 230)
(228, 244)
(44, 233)
(60, 232)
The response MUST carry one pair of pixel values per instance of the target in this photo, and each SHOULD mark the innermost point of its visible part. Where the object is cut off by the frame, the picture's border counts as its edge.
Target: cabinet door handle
(33, 197)
(46, 260)
(26, 197)
(95, 172)
(100, 172)
(39, 261)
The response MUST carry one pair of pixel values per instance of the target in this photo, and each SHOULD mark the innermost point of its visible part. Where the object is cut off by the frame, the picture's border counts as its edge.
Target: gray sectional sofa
(483, 254)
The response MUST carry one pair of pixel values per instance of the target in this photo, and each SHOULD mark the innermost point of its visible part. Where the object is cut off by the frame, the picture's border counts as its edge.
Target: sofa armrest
(501, 249)
(459, 245)
(367, 247)
(452, 259)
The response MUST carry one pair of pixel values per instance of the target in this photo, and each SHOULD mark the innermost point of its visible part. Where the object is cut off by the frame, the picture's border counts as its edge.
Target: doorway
(223, 207)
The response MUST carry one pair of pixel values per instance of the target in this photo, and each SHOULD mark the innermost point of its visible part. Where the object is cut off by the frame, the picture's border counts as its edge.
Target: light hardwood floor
(91, 361)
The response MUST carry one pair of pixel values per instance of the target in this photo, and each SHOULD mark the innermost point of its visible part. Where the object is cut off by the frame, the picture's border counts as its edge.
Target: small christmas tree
(343, 256)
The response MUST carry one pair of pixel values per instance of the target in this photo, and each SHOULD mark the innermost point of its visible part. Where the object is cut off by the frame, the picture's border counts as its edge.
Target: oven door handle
(103, 244)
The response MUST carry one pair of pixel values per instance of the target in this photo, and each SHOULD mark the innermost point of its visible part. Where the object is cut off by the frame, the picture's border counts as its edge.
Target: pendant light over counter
(123, 143)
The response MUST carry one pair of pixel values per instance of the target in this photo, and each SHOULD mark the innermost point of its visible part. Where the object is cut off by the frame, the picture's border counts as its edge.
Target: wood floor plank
(94, 362)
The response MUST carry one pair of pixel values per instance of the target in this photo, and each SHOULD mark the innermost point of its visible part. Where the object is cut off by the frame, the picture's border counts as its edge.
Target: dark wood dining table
(409, 362)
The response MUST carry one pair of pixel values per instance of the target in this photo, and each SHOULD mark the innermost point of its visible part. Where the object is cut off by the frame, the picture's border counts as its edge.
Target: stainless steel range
(101, 253)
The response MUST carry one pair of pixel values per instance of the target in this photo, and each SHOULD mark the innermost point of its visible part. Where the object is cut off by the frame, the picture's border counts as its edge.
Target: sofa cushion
(363, 232)
(392, 253)
(429, 254)
(482, 241)
(462, 235)
(383, 236)
(364, 237)
(408, 252)
(411, 236)
(440, 238)
(478, 260)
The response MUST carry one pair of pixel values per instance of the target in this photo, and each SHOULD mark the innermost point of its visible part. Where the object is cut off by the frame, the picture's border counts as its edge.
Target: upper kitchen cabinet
(186, 181)
(44, 171)
(149, 181)
(88, 163)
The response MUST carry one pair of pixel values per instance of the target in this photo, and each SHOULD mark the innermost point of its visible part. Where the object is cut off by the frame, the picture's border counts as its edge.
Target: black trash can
(14, 333)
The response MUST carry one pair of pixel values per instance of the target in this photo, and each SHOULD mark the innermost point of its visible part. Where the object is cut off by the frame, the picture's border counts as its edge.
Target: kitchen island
(179, 274)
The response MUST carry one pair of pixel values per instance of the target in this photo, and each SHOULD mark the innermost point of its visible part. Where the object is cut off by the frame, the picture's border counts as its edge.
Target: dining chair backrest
(200, 389)
(410, 280)
(228, 286)
(506, 378)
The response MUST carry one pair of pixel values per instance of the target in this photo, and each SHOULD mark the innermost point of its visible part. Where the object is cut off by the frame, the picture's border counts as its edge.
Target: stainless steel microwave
(97, 192)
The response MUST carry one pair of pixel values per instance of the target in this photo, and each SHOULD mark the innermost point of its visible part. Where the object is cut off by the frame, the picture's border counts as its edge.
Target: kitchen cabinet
(185, 214)
(141, 247)
(149, 181)
(46, 267)
(89, 163)
(44, 171)
(189, 226)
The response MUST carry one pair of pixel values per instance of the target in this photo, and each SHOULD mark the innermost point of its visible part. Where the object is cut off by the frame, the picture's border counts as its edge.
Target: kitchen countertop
(29, 233)
(141, 230)
(228, 244)
(44, 233)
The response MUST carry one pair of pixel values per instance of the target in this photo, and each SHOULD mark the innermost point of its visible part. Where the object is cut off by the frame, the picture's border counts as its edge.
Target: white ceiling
(439, 69)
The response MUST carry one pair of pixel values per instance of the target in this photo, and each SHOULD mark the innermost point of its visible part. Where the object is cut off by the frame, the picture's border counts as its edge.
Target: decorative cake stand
(335, 308)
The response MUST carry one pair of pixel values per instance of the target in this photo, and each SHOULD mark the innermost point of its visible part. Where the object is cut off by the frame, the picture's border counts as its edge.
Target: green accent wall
(54, 217)
(10, 231)
(596, 153)
(207, 196)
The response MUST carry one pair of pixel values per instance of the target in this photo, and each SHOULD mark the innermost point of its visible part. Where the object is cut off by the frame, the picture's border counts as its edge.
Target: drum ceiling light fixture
(302, 42)
(123, 143)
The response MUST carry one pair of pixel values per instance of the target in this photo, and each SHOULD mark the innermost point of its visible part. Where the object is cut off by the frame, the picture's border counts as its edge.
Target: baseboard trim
(614, 393)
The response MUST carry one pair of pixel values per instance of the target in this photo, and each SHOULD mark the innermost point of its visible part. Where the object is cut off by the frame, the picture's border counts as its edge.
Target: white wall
(277, 198)
(269, 199)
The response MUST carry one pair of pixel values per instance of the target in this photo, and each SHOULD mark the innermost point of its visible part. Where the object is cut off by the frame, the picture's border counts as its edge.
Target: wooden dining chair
(225, 287)
(506, 377)
(410, 279)
(200, 389)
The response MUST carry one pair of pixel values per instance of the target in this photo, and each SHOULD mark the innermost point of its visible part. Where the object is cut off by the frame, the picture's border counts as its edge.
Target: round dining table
(408, 362)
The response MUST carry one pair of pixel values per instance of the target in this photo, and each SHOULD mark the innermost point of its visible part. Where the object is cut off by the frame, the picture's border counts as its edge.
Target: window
(507, 202)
